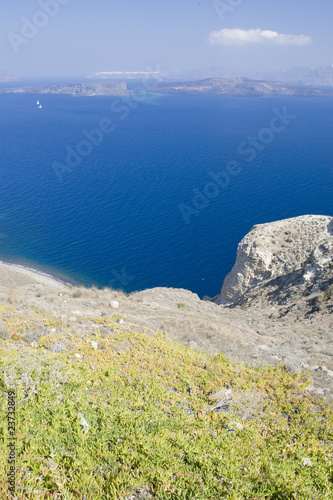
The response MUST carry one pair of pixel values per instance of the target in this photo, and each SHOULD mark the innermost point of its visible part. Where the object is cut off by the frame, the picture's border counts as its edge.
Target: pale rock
(57, 347)
(83, 422)
(237, 425)
(306, 461)
(276, 249)
(114, 304)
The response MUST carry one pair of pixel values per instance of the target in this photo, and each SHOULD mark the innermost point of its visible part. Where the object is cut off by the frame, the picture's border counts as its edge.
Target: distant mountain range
(320, 77)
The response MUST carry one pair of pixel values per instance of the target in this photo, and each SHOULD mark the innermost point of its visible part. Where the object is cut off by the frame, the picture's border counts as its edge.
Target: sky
(72, 38)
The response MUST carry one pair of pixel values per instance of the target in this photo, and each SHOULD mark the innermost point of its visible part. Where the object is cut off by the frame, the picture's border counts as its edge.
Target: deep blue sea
(139, 207)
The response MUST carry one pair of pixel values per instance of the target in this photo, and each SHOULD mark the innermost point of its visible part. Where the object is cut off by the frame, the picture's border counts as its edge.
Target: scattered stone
(120, 321)
(221, 406)
(143, 493)
(78, 355)
(34, 344)
(94, 344)
(57, 347)
(73, 318)
(114, 304)
(307, 462)
(223, 393)
(83, 422)
(238, 426)
(292, 367)
(289, 343)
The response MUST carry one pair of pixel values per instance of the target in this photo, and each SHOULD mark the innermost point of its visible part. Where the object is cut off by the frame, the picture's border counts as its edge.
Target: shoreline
(30, 270)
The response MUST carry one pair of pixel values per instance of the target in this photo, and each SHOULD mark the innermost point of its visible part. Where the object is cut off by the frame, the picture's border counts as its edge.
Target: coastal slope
(139, 395)
(275, 306)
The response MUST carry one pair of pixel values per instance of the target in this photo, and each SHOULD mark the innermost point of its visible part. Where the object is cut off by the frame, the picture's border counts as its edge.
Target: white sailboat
(39, 105)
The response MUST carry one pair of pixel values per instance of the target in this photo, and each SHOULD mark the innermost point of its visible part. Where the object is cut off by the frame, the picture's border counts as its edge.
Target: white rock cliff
(300, 247)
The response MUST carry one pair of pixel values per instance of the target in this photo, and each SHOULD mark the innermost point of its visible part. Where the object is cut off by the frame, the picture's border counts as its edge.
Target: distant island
(107, 88)
(239, 87)
(209, 86)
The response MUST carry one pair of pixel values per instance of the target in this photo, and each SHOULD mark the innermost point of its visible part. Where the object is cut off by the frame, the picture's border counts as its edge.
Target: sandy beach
(16, 275)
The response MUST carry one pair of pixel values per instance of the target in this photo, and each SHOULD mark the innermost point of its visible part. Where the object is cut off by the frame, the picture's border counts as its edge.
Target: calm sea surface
(139, 207)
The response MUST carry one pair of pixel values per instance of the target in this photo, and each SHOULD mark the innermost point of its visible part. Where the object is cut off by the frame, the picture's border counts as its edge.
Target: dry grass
(13, 296)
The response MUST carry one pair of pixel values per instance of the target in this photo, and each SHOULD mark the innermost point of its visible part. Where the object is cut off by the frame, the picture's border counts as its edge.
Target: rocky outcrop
(279, 256)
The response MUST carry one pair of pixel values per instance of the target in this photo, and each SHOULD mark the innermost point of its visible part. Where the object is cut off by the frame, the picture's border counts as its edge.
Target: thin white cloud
(244, 37)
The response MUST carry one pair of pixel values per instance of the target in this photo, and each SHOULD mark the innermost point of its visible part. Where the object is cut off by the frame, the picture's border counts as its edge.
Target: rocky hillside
(275, 306)
(160, 395)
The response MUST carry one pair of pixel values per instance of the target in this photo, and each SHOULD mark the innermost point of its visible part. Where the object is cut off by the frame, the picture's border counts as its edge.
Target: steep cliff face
(280, 260)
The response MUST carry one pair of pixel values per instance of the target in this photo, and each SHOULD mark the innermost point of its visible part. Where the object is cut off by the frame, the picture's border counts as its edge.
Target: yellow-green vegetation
(113, 413)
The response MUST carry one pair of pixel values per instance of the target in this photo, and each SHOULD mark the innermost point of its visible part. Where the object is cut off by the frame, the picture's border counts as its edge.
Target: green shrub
(148, 409)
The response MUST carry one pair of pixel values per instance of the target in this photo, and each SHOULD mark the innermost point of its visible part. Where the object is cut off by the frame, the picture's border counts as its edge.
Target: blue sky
(80, 37)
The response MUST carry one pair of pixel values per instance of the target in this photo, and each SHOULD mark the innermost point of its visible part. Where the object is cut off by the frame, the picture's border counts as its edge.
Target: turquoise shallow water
(131, 212)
